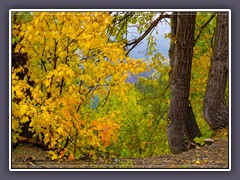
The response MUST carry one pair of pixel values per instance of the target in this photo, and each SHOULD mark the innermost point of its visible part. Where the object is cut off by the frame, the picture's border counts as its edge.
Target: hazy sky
(163, 43)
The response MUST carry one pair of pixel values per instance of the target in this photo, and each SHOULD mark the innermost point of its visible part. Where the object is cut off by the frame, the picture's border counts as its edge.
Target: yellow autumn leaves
(70, 60)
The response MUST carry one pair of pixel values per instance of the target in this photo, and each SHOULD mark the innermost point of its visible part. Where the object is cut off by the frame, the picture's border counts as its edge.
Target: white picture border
(114, 10)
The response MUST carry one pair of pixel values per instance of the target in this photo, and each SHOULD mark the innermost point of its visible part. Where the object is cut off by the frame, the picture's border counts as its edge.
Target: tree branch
(106, 98)
(202, 28)
(137, 41)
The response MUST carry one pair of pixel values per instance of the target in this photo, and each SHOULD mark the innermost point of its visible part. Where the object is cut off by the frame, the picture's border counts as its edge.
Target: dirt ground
(209, 156)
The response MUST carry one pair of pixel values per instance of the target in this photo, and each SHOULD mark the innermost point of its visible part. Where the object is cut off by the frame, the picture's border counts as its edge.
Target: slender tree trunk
(182, 127)
(214, 106)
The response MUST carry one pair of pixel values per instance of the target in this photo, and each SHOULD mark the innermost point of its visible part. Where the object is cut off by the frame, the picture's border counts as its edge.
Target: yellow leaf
(23, 109)
(17, 48)
(24, 119)
(29, 28)
(60, 130)
(198, 162)
(36, 33)
(21, 138)
(31, 124)
(46, 139)
(53, 143)
(23, 26)
(54, 156)
(21, 33)
(15, 124)
(62, 54)
(95, 25)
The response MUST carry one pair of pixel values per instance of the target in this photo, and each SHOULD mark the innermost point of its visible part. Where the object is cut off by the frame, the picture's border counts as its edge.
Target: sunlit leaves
(70, 60)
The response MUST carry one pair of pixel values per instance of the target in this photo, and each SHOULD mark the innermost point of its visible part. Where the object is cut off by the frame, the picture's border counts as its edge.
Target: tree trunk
(182, 127)
(214, 105)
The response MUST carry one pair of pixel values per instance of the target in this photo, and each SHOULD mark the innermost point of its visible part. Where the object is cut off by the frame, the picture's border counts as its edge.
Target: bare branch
(136, 42)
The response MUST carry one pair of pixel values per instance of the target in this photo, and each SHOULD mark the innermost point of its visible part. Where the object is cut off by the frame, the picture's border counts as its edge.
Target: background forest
(77, 92)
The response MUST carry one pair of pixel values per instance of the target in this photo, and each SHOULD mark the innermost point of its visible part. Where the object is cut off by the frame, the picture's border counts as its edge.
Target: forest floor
(208, 156)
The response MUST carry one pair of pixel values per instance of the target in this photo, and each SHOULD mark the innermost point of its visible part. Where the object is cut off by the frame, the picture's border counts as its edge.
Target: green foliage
(206, 133)
(143, 118)
(206, 38)
(199, 140)
(17, 19)
(118, 30)
(127, 164)
(15, 39)
(200, 67)
(22, 16)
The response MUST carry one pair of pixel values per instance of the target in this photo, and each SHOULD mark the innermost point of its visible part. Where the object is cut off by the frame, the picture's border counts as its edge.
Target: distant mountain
(134, 78)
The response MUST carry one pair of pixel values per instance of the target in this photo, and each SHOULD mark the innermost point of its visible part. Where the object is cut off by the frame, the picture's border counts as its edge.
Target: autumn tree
(182, 127)
(19, 60)
(214, 106)
(70, 60)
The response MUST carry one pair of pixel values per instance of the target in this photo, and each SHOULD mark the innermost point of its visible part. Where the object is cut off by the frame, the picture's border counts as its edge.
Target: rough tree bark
(182, 127)
(214, 105)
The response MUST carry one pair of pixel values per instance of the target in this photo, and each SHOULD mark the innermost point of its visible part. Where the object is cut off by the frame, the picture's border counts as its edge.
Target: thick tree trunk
(214, 106)
(182, 127)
